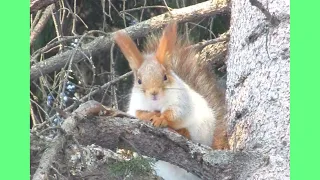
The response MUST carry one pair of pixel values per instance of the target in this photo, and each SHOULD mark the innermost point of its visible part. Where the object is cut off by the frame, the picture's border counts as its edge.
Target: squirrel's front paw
(159, 121)
(146, 115)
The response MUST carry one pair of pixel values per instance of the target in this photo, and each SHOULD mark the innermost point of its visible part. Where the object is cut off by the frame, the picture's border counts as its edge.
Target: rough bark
(116, 132)
(36, 5)
(68, 127)
(258, 84)
(41, 23)
(182, 15)
(164, 145)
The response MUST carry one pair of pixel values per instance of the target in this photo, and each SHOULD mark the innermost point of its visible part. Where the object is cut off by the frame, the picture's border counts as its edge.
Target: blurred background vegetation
(71, 19)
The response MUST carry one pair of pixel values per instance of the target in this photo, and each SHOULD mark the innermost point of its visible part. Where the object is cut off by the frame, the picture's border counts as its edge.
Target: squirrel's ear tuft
(129, 49)
(167, 42)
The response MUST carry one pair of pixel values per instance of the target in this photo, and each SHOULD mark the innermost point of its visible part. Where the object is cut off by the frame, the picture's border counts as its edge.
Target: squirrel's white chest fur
(186, 104)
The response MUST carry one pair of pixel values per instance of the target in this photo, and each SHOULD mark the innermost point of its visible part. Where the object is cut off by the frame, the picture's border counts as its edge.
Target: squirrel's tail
(172, 172)
(197, 75)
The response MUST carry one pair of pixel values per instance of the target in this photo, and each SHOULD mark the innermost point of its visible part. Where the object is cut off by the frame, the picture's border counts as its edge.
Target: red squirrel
(172, 89)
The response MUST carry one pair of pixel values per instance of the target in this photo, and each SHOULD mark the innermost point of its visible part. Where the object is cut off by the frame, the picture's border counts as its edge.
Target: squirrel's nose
(154, 95)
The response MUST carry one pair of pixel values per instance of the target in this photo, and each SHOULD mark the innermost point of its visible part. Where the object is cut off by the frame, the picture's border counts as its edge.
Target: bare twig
(211, 24)
(33, 118)
(42, 22)
(113, 88)
(36, 5)
(63, 13)
(72, 58)
(36, 127)
(141, 29)
(56, 170)
(186, 24)
(39, 107)
(197, 24)
(74, 20)
(62, 113)
(145, 7)
(76, 16)
(169, 9)
(51, 128)
(84, 164)
(83, 99)
(110, 10)
(58, 28)
(103, 4)
(104, 93)
(36, 19)
(141, 15)
(54, 44)
(199, 46)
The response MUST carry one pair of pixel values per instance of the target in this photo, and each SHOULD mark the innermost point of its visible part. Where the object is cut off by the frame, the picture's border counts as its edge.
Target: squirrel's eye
(165, 77)
(139, 81)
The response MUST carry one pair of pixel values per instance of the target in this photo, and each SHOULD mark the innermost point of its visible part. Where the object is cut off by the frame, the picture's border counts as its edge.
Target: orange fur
(166, 119)
(220, 139)
(196, 74)
(167, 42)
(146, 115)
(184, 132)
(129, 49)
(186, 66)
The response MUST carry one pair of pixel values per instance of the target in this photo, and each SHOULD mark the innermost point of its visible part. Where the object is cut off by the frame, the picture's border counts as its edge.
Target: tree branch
(88, 108)
(41, 23)
(141, 29)
(199, 46)
(36, 5)
(166, 145)
(106, 85)
(163, 144)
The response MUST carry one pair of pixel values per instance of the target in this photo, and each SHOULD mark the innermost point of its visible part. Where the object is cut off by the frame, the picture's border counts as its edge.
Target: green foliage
(137, 166)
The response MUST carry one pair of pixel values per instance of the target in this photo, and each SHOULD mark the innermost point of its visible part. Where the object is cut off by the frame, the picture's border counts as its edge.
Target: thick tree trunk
(258, 84)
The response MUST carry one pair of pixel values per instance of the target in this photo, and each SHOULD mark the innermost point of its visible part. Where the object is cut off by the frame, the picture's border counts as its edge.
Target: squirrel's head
(152, 71)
